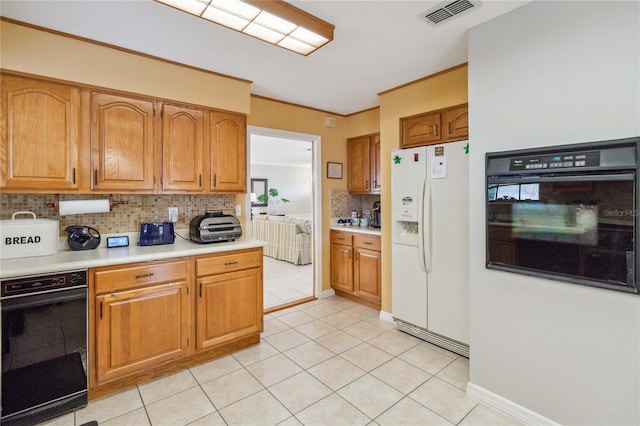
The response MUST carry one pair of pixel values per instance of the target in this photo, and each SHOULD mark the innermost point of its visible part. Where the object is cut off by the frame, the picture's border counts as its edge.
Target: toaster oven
(214, 227)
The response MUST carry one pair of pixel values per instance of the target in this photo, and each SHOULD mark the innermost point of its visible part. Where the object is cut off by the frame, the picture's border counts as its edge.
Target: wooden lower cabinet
(152, 318)
(341, 269)
(355, 267)
(141, 328)
(366, 274)
(229, 304)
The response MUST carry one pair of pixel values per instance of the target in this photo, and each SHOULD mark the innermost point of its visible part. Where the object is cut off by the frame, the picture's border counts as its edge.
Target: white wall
(293, 183)
(553, 73)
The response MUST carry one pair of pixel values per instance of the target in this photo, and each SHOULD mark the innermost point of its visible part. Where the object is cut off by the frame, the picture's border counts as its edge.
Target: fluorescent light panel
(273, 21)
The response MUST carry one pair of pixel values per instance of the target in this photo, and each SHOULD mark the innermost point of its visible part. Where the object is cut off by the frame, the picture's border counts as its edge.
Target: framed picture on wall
(334, 170)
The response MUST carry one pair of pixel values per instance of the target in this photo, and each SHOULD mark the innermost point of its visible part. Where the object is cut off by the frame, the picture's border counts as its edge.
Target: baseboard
(507, 407)
(386, 316)
(327, 293)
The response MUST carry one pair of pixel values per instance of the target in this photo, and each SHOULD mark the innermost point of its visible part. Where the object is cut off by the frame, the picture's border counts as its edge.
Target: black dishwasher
(44, 346)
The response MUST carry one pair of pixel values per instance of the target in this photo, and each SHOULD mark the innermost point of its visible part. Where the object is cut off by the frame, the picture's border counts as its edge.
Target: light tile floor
(326, 362)
(285, 282)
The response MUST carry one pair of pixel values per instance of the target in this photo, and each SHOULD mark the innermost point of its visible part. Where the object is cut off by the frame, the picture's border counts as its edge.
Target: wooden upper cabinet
(434, 127)
(122, 143)
(363, 164)
(422, 129)
(40, 127)
(456, 123)
(376, 178)
(359, 162)
(228, 153)
(183, 141)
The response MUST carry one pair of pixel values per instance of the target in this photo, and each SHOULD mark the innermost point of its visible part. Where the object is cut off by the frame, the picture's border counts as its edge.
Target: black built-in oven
(567, 213)
(44, 346)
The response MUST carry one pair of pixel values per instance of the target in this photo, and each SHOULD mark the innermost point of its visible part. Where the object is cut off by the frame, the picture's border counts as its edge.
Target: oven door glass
(579, 228)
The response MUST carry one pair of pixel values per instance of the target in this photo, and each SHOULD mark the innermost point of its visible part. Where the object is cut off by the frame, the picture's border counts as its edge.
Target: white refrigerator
(430, 250)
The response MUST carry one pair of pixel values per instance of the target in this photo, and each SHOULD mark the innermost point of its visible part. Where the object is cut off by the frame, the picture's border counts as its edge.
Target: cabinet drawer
(228, 262)
(339, 237)
(137, 275)
(369, 242)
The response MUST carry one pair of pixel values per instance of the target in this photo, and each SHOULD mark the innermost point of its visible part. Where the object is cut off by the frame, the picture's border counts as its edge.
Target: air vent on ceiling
(447, 10)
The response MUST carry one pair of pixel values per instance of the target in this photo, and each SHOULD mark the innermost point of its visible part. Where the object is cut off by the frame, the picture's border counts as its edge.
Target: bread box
(28, 237)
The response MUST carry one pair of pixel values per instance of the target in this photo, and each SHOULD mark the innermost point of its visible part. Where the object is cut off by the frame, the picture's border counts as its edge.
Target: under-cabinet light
(273, 21)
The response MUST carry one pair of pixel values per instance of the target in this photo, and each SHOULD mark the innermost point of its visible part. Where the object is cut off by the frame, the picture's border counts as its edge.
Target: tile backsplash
(342, 203)
(123, 217)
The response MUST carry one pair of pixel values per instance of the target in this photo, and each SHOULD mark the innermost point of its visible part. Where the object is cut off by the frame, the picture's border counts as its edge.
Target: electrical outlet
(238, 210)
(173, 214)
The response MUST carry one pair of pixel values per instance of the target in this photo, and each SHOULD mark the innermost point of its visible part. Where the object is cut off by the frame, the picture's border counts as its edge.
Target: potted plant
(274, 206)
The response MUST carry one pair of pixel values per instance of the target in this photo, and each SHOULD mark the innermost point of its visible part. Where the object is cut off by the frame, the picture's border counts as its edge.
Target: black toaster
(214, 227)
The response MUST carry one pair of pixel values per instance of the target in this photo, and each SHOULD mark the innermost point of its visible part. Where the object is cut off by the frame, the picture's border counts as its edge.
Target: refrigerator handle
(426, 236)
(421, 222)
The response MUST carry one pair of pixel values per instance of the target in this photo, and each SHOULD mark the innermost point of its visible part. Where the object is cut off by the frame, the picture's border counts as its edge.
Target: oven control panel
(555, 161)
(39, 283)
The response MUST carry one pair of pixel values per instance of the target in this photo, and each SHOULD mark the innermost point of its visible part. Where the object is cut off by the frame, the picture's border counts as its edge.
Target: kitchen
(492, 340)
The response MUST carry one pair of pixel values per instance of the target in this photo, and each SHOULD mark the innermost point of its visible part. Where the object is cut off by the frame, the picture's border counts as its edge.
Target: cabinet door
(422, 129)
(366, 274)
(456, 123)
(140, 329)
(39, 122)
(341, 267)
(359, 165)
(229, 307)
(228, 153)
(376, 178)
(182, 148)
(122, 143)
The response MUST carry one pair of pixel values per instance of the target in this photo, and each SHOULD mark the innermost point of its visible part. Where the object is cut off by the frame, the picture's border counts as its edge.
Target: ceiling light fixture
(273, 21)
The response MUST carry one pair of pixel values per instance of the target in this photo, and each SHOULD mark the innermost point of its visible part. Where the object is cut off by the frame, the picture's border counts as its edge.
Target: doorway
(288, 162)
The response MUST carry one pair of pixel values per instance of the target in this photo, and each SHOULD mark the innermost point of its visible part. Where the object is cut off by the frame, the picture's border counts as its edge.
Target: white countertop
(68, 260)
(358, 229)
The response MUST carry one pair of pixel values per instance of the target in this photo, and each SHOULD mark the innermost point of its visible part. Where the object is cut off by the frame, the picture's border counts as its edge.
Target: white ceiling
(275, 151)
(378, 45)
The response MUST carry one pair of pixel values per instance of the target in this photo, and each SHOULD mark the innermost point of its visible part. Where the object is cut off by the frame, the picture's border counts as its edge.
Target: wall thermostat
(122, 241)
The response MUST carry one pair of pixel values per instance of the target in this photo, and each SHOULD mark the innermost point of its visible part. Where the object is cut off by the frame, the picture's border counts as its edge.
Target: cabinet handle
(367, 243)
(145, 275)
(73, 178)
(449, 127)
(95, 177)
(201, 290)
(233, 262)
(161, 180)
(435, 128)
(100, 310)
(200, 181)
(215, 180)
(366, 183)
(357, 256)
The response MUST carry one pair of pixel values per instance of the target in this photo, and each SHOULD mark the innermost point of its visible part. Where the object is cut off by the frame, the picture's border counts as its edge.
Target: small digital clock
(120, 241)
